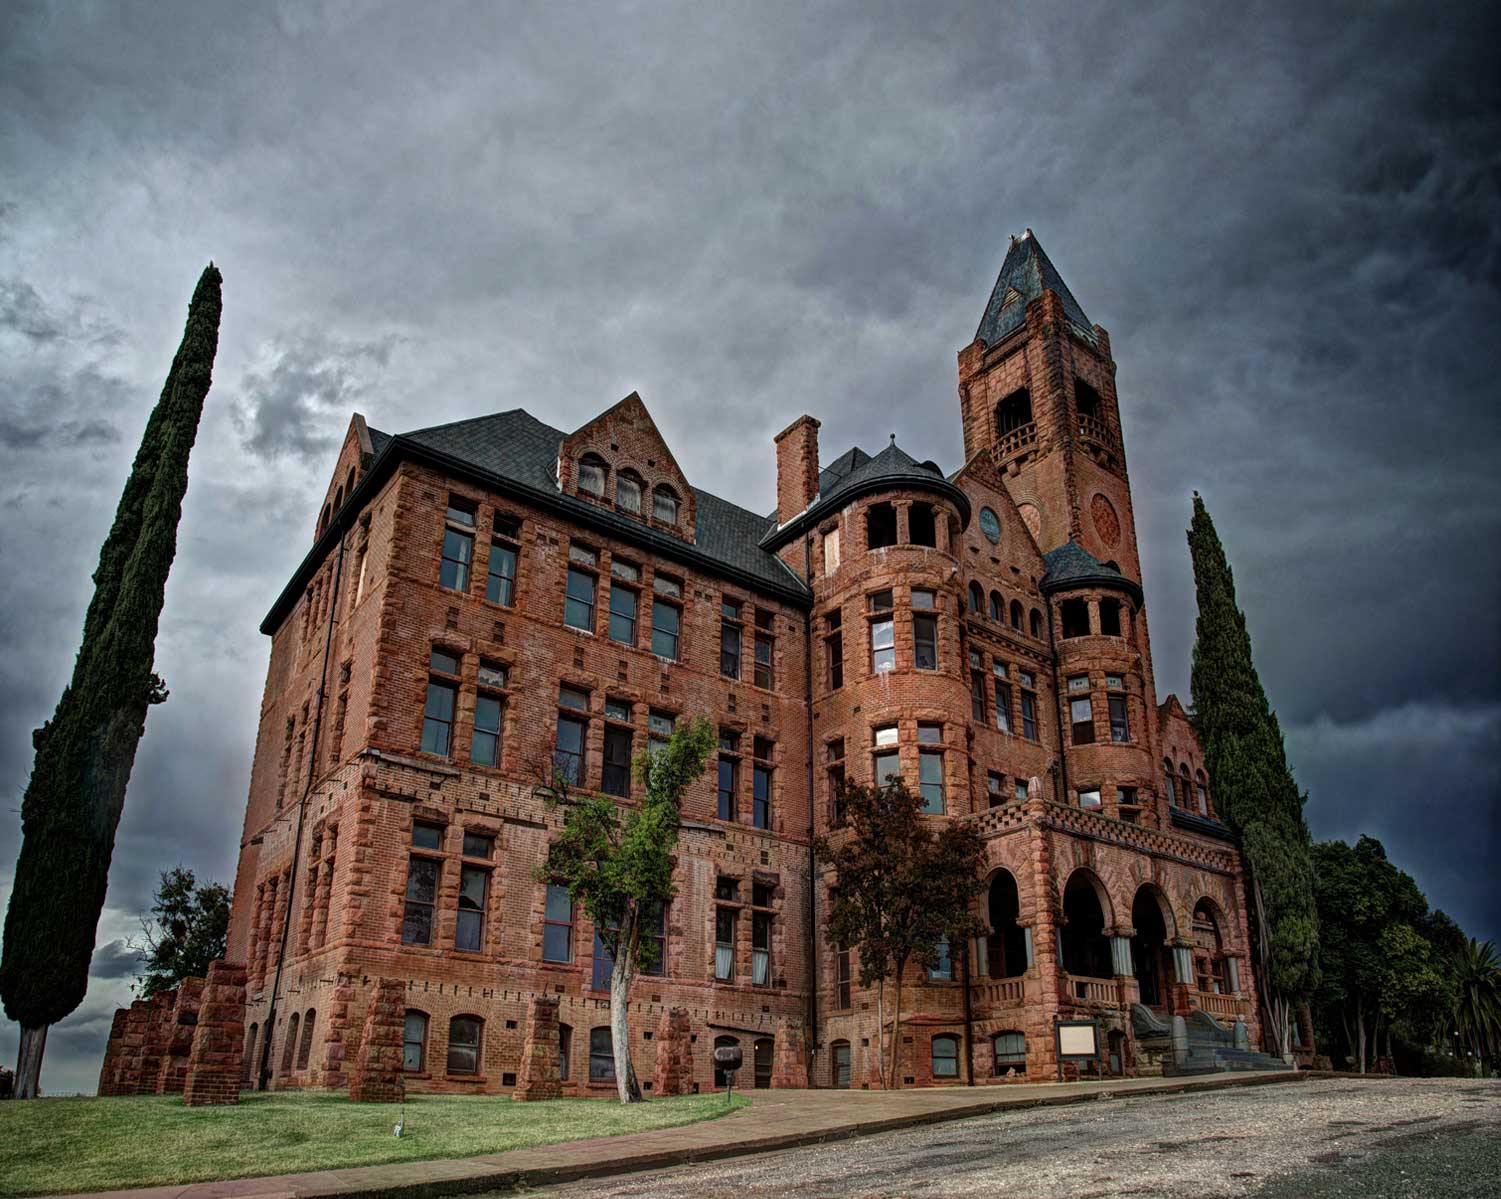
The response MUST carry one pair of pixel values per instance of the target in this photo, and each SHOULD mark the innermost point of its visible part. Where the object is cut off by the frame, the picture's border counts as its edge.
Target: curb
(330, 1184)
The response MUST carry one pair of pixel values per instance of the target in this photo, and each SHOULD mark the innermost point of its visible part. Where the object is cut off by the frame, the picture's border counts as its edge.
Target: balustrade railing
(1094, 429)
(1217, 1005)
(1001, 992)
(1019, 438)
(1094, 990)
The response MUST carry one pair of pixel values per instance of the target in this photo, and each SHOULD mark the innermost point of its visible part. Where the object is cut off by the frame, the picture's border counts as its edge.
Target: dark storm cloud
(1286, 216)
(116, 960)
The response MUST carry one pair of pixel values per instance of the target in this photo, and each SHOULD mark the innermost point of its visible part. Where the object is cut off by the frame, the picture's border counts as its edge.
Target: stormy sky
(1286, 215)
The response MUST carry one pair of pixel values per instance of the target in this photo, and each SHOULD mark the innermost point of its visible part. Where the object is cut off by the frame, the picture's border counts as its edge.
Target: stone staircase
(1197, 1044)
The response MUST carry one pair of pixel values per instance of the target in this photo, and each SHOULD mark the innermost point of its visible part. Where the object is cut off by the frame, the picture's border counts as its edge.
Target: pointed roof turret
(1025, 275)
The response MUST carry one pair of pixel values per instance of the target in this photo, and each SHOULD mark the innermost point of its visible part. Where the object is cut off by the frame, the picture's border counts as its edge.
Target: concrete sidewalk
(775, 1120)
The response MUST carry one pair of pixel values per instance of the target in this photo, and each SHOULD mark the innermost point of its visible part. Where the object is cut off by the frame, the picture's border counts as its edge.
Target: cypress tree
(1253, 787)
(84, 754)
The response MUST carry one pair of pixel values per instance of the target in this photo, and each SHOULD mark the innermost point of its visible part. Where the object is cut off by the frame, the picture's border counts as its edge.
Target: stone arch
(1154, 930)
(1086, 912)
(1006, 944)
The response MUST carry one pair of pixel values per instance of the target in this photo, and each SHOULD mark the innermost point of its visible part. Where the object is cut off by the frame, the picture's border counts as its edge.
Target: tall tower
(1037, 389)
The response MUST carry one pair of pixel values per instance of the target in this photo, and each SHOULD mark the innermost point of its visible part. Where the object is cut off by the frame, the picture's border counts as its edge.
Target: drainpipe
(812, 857)
(969, 1019)
(1058, 696)
(264, 1073)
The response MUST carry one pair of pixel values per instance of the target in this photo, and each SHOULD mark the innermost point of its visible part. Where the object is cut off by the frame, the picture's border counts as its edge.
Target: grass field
(57, 1145)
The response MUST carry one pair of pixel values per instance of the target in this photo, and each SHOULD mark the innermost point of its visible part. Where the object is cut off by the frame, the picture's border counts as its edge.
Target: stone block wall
(673, 1074)
(538, 1076)
(173, 1070)
(377, 1076)
(216, 1059)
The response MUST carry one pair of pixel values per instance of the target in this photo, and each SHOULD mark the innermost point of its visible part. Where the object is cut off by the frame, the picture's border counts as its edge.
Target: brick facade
(486, 593)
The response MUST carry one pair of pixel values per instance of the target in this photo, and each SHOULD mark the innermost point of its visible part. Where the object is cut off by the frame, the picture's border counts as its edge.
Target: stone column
(157, 1042)
(1232, 974)
(173, 1071)
(538, 1075)
(332, 1070)
(1120, 957)
(215, 1062)
(377, 1076)
(673, 1074)
(789, 1067)
(109, 1071)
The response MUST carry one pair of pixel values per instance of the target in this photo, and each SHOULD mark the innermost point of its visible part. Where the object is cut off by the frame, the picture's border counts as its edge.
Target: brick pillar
(155, 1043)
(109, 1070)
(377, 1076)
(332, 1069)
(789, 1063)
(173, 1071)
(797, 467)
(538, 1074)
(215, 1063)
(673, 1074)
(132, 1046)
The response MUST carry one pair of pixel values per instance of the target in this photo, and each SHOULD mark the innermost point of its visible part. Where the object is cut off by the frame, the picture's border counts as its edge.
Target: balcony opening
(1006, 946)
(880, 526)
(1075, 617)
(1087, 400)
(1086, 952)
(1013, 412)
(922, 529)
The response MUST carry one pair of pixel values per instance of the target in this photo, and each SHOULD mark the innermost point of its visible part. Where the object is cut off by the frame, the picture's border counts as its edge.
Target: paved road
(1397, 1139)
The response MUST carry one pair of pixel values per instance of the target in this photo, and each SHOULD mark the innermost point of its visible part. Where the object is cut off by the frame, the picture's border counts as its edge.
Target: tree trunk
(29, 1062)
(626, 1083)
(1360, 1038)
(896, 1029)
(881, 1031)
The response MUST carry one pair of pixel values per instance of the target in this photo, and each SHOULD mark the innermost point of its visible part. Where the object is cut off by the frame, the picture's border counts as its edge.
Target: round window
(990, 525)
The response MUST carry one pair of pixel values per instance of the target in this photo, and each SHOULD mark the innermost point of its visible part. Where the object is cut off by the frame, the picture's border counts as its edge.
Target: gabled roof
(1025, 275)
(516, 453)
(1071, 565)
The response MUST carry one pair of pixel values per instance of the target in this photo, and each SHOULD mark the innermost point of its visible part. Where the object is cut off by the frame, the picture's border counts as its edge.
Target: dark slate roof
(892, 462)
(1071, 564)
(1030, 272)
(377, 441)
(841, 466)
(518, 447)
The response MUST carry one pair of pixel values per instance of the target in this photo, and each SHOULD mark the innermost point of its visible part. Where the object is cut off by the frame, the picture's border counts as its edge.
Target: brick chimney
(797, 467)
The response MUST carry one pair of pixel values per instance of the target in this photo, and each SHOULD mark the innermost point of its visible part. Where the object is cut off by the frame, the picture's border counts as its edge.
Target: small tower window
(1075, 613)
(880, 526)
(921, 527)
(1110, 618)
(1087, 399)
(1013, 412)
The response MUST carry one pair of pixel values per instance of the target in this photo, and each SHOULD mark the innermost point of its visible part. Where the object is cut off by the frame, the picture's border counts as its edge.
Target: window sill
(476, 1079)
(417, 1075)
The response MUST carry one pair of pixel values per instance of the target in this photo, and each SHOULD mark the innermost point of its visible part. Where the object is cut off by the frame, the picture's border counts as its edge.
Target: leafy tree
(1253, 787)
(1477, 1000)
(616, 861)
(186, 931)
(84, 754)
(900, 890)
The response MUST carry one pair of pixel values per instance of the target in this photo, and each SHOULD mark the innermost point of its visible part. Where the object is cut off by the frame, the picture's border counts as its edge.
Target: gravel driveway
(1402, 1138)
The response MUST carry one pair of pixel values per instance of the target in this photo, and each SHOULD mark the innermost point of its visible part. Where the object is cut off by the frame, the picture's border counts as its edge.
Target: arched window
(1201, 792)
(997, 605)
(349, 482)
(976, 599)
(1185, 787)
(628, 491)
(464, 1034)
(1013, 412)
(565, 1049)
(880, 526)
(664, 505)
(323, 520)
(1037, 624)
(601, 1054)
(289, 1045)
(839, 1064)
(922, 527)
(945, 1057)
(338, 498)
(414, 1042)
(1167, 776)
(1209, 950)
(306, 1048)
(720, 1077)
(592, 470)
(1016, 615)
(249, 1064)
(1008, 1052)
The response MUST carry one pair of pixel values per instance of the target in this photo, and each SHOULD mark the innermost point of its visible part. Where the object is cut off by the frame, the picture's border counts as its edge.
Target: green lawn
(55, 1145)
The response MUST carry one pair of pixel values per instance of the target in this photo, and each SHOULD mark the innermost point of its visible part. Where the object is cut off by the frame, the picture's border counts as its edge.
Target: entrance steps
(1199, 1044)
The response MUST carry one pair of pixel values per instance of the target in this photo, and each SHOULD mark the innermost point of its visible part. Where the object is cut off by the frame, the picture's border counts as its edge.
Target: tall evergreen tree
(1253, 787)
(84, 754)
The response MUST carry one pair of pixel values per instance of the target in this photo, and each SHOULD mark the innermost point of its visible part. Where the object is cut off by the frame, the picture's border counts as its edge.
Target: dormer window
(664, 505)
(628, 493)
(592, 475)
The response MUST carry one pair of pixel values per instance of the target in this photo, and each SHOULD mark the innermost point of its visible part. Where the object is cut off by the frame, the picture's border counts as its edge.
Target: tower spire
(1025, 275)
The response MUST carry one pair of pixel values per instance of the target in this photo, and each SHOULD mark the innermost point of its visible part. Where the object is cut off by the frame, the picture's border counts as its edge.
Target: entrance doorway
(1149, 953)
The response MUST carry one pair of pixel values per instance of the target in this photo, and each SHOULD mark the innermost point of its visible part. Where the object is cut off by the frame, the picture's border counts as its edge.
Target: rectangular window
(764, 645)
(930, 781)
(977, 696)
(995, 788)
(1029, 706)
(604, 965)
(1003, 706)
(831, 551)
(729, 638)
(458, 552)
(836, 781)
(474, 884)
(724, 943)
(427, 836)
(628, 571)
(882, 633)
(654, 939)
(1089, 798)
(667, 585)
(1021, 790)
(568, 755)
(925, 642)
(500, 587)
(761, 785)
(729, 773)
(578, 605)
(888, 767)
(479, 845)
(582, 555)
(484, 747)
(761, 949)
(623, 602)
(834, 648)
(572, 697)
(493, 674)
(437, 718)
(666, 624)
(422, 894)
(1120, 722)
(616, 779)
(1079, 683)
(601, 1055)
(414, 1042)
(886, 735)
(557, 925)
(1081, 716)
(942, 970)
(463, 1044)
(659, 726)
(930, 734)
(922, 599)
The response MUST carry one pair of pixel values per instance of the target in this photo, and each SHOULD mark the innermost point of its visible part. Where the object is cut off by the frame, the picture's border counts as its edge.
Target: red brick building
(486, 598)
